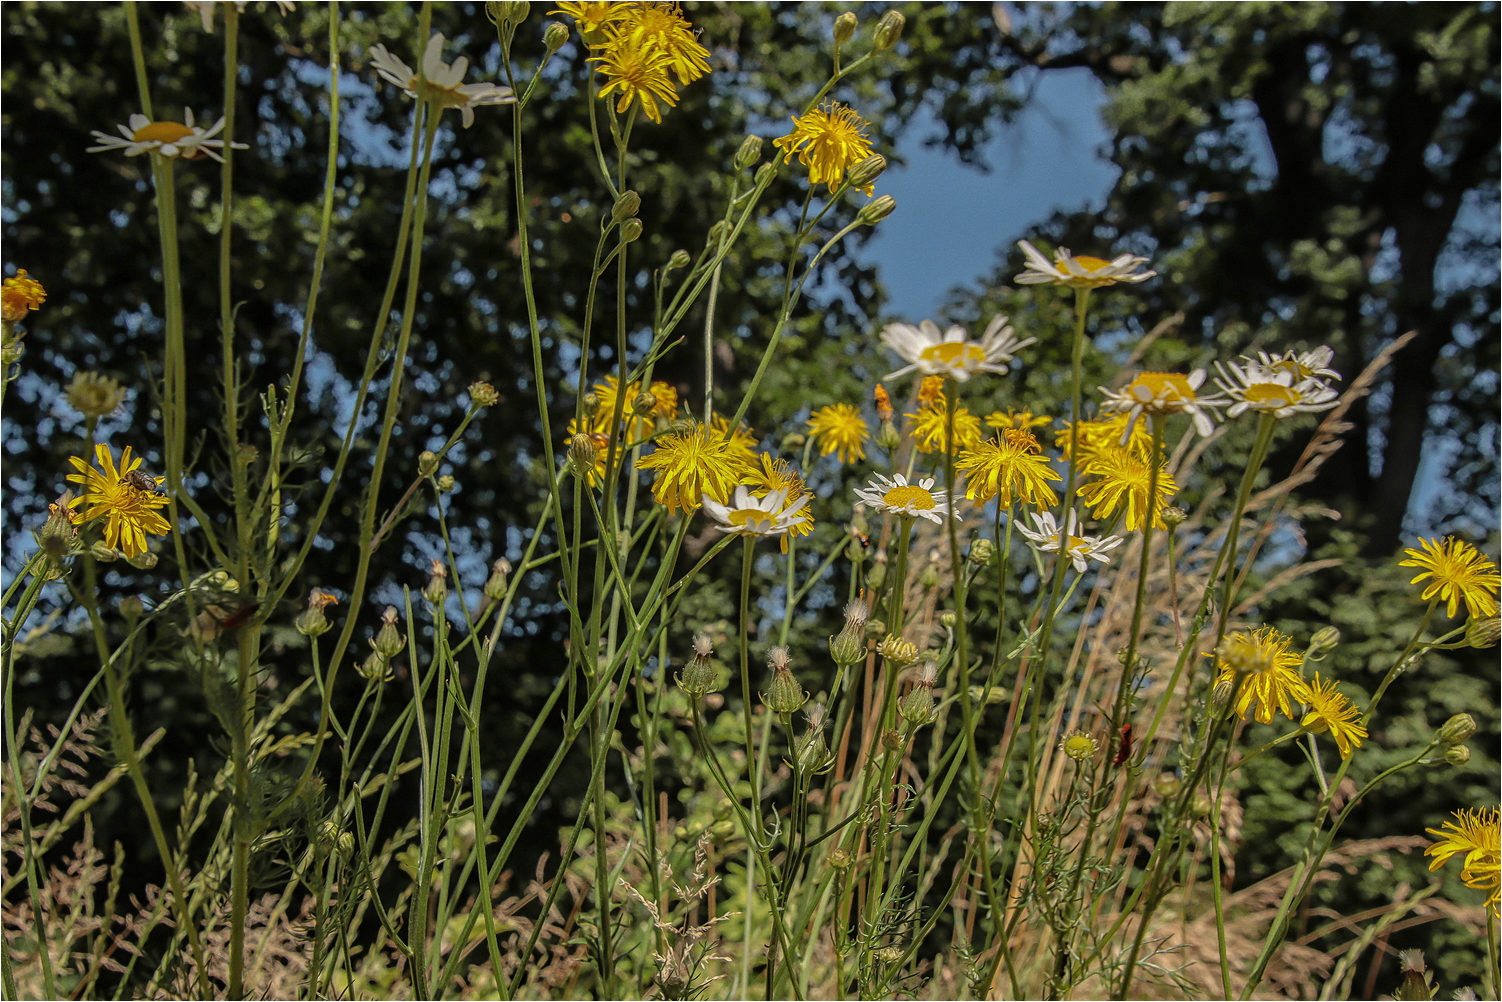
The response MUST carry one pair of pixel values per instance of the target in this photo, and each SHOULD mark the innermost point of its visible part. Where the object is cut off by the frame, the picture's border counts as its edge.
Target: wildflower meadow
(475, 528)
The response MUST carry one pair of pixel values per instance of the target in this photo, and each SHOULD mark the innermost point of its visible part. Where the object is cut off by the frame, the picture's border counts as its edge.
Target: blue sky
(952, 219)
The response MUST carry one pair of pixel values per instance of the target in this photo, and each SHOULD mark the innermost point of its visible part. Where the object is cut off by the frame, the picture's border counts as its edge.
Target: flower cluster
(1262, 672)
(644, 52)
(1475, 836)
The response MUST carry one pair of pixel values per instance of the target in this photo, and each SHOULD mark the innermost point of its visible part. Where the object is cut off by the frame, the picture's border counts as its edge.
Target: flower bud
(698, 676)
(1483, 633)
(1166, 784)
(917, 707)
(630, 231)
(1079, 746)
(877, 575)
(554, 36)
(888, 30)
(899, 652)
(892, 954)
(446, 484)
(427, 463)
(644, 403)
(717, 234)
(495, 585)
(848, 647)
(930, 577)
(876, 210)
(1173, 517)
(839, 859)
(143, 561)
(680, 259)
(892, 740)
(844, 27)
(887, 436)
(58, 533)
(388, 641)
(507, 12)
(765, 173)
(105, 554)
(437, 587)
(626, 207)
(784, 696)
(948, 619)
(94, 396)
(1457, 755)
(982, 552)
(876, 628)
(812, 752)
(375, 668)
(864, 174)
(482, 394)
(311, 622)
(582, 455)
(1325, 639)
(1457, 729)
(749, 155)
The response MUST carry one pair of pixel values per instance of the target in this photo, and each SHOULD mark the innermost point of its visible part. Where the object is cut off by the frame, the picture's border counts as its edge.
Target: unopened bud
(482, 394)
(784, 695)
(626, 207)
(427, 463)
(717, 234)
(1457, 755)
(582, 455)
(93, 395)
(948, 619)
(839, 859)
(446, 484)
(876, 576)
(1457, 729)
(888, 30)
(892, 740)
(982, 552)
(105, 554)
(749, 155)
(644, 403)
(1166, 784)
(375, 668)
(1483, 633)
(876, 210)
(844, 27)
(591, 404)
(848, 647)
(495, 585)
(388, 641)
(630, 231)
(765, 173)
(680, 259)
(887, 436)
(864, 174)
(899, 652)
(554, 36)
(930, 577)
(437, 587)
(813, 752)
(507, 12)
(1325, 639)
(143, 561)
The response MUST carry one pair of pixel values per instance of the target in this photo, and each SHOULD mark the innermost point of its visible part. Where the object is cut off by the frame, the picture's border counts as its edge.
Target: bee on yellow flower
(113, 493)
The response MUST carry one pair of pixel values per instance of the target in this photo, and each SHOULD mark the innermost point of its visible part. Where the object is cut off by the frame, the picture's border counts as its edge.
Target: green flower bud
(1483, 633)
(876, 629)
(131, 608)
(892, 740)
(864, 174)
(1457, 729)
(507, 12)
(311, 622)
(582, 455)
(495, 585)
(482, 394)
(917, 707)
(626, 207)
(888, 30)
(887, 436)
(630, 231)
(848, 647)
(765, 173)
(143, 561)
(388, 641)
(784, 696)
(844, 27)
(749, 155)
(427, 463)
(877, 575)
(554, 36)
(680, 259)
(876, 210)
(1166, 784)
(1325, 639)
(591, 404)
(437, 588)
(813, 753)
(982, 552)
(899, 652)
(839, 859)
(446, 484)
(105, 554)
(375, 668)
(930, 577)
(948, 619)
(718, 233)
(1457, 755)
(1173, 517)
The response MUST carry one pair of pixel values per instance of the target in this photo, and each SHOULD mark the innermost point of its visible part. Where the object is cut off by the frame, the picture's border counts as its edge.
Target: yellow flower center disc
(1269, 395)
(1090, 263)
(951, 353)
(1161, 386)
(751, 519)
(909, 497)
(161, 132)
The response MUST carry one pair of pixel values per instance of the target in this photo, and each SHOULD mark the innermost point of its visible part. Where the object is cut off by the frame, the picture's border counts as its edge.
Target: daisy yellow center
(1270, 395)
(909, 497)
(1090, 263)
(751, 519)
(161, 132)
(955, 354)
(1078, 544)
(1161, 386)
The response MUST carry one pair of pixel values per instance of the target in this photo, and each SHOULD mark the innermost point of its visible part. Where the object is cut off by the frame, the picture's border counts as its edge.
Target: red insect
(1124, 750)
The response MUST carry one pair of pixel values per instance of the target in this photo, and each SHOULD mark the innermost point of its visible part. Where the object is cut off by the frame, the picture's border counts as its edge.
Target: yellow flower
(1478, 834)
(1125, 477)
(638, 424)
(931, 388)
(1007, 469)
(1116, 431)
(1330, 711)
(884, 402)
(593, 15)
(638, 72)
(662, 26)
(839, 429)
(19, 295)
(1025, 420)
(130, 511)
(776, 478)
(698, 462)
(828, 140)
(930, 427)
(742, 442)
(1459, 573)
(1270, 673)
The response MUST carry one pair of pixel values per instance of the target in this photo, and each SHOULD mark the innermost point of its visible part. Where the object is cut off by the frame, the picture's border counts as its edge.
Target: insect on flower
(142, 481)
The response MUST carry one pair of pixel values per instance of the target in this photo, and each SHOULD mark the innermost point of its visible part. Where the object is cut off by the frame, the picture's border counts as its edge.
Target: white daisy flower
(1163, 393)
(894, 494)
(1081, 549)
(1313, 364)
(1252, 387)
(951, 353)
(169, 139)
(440, 82)
(1080, 272)
(748, 515)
